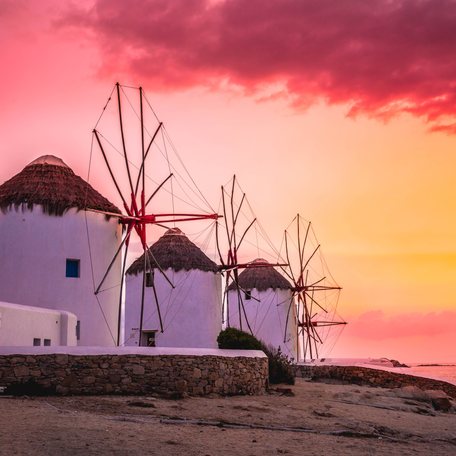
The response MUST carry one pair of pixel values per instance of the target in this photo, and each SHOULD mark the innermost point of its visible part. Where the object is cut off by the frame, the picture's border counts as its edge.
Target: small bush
(235, 339)
(280, 366)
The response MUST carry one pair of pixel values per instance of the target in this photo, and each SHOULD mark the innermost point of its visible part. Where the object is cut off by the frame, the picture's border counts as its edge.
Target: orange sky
(380, 192)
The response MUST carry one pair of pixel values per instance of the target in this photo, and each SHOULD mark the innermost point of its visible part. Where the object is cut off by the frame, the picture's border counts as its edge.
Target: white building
(25, 325)
(264, 296)
(45, 260)
(191, 312)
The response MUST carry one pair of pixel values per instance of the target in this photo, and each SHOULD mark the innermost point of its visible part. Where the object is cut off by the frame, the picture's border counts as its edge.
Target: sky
(341, 111)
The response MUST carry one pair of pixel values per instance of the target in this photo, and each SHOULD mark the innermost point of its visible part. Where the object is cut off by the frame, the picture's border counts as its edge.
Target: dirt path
(319, 419)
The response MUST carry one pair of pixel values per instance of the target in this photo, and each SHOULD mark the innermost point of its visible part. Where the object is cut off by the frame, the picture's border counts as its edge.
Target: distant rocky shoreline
(373, 377)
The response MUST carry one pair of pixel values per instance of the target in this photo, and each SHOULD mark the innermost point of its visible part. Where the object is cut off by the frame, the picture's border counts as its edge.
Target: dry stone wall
(133, 374)
(373, 377)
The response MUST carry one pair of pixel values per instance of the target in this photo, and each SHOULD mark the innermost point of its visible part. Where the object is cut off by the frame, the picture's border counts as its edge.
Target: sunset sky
(342, 111)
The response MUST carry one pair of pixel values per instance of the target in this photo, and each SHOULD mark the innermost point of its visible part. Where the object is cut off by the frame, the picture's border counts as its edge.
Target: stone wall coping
(23, 307)
(143, 351)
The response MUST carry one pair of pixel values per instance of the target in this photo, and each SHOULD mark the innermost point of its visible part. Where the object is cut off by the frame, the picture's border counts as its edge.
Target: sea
(446, 372)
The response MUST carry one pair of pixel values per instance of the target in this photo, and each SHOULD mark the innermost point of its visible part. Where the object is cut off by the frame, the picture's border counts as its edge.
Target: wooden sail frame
(307, 305)
(230, 265)
(135, 217)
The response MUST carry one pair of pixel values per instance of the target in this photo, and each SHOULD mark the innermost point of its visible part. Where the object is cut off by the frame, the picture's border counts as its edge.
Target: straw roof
(174, 250)
(49, 182)
(261, 276)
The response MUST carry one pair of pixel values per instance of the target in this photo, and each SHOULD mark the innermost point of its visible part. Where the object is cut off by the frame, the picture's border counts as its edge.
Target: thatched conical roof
(49, 182)
(174, 250)
(261, 276)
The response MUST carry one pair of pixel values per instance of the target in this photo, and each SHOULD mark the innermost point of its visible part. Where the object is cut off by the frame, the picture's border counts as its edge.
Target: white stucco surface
(191, 312)
(34, 247)
(20, 325)
(267, 314)
(149, 351)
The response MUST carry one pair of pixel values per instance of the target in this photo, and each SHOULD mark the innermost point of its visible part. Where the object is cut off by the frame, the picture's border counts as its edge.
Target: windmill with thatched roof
(189, 311)
(266, 297)
(46, 259)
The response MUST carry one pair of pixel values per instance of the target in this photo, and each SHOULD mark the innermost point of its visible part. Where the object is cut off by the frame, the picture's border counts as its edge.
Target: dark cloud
(381, 58)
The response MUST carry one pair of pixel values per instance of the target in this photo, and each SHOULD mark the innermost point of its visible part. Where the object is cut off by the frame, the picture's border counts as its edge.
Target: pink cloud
(381, 58)
(375, 325)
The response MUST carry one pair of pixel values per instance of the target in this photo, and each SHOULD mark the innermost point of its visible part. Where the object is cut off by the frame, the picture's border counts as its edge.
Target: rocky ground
(309, 419)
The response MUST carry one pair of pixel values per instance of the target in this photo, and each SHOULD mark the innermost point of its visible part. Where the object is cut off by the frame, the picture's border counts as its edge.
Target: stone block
(114, 378)
(69, 380)
(196, 373)
(108, 388)
(62, 390)
(17, 360)
(197, 390)
(138, 369)
(61, 358)
(181, 386)
(21, 371)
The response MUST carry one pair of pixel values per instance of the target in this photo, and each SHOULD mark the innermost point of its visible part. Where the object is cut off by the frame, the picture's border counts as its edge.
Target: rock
(141, 404)
(181, 386)
(441, 404)
(138, 370)
(436, 394)
(21, 371)
(114, 378)
(412, 392)
(63, 390)
(108, 388)
(61, 358)
(396, 363)
(196, 373)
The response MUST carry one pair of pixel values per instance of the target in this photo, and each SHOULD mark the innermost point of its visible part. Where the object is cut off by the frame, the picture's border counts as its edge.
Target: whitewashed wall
(19, 325)
(266, 313)
(33, 249)
(191, 312)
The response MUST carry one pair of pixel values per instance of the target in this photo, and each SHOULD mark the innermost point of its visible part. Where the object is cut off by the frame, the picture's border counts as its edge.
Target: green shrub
(280, 366)
(238, 340)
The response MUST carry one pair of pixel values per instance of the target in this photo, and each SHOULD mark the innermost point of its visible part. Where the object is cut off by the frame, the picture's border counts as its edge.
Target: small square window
(47, 342)
(148, 338)
(36, 342)
(248, 294)
(72, 267)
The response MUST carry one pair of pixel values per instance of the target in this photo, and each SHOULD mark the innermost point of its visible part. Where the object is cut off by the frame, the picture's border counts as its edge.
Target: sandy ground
(320, 419)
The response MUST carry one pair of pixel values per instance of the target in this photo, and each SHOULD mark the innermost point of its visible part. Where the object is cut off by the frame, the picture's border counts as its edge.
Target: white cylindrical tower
(264, 298)
(191, 312)
(45, 256)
